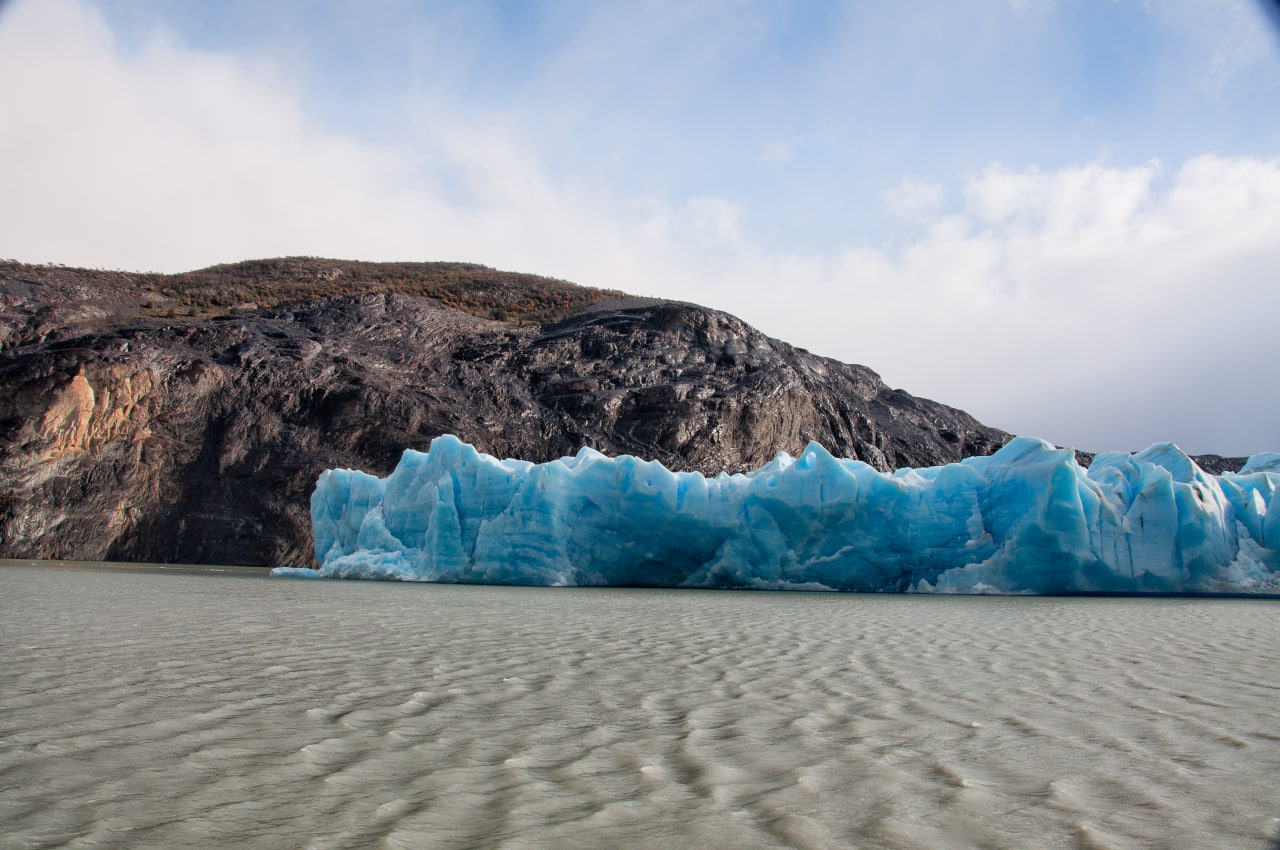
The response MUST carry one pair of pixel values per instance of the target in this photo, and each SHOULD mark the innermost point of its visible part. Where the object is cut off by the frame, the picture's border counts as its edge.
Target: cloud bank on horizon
(1060, 217)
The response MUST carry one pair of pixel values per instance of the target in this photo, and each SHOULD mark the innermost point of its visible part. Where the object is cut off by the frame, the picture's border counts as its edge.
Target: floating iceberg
(1027, 519)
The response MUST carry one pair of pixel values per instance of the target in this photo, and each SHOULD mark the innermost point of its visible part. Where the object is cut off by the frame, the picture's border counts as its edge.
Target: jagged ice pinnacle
(1027, 519)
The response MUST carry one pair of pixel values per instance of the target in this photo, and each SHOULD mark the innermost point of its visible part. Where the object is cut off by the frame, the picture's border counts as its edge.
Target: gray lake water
(172, 709)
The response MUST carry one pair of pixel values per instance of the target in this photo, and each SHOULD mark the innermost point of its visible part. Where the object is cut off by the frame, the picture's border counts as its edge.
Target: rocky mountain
(185, 418)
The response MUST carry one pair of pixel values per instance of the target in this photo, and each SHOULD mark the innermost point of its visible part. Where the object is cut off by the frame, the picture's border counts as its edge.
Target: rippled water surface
(215, 710)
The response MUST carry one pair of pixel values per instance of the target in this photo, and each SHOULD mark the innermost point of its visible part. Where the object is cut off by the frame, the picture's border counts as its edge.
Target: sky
(1062, 217)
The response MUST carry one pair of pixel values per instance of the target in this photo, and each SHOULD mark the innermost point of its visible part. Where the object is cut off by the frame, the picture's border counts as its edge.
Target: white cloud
(1089, 304)
(1099, 305)
(171, 159)
(914, 198)
(166, 159)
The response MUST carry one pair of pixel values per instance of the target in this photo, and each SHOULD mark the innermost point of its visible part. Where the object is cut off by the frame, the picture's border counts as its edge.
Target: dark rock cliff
(126, 435)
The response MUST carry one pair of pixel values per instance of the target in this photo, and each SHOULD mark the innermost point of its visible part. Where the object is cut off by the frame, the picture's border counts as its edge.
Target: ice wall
(1027, 519)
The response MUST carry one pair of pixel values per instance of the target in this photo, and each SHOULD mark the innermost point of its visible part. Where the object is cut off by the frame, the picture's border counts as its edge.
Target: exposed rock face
(199, 441)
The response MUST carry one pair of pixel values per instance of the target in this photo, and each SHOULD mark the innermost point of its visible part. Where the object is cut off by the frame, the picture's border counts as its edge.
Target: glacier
(1025, 520)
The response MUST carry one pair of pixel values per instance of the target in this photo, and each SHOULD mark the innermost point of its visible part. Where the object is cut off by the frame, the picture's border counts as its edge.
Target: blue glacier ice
(1027, 519)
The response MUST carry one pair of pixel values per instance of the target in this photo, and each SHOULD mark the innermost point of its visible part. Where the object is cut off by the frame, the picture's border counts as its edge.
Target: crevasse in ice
(1027, 519)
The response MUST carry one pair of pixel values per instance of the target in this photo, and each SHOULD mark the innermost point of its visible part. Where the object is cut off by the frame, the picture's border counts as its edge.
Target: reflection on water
(186, 710)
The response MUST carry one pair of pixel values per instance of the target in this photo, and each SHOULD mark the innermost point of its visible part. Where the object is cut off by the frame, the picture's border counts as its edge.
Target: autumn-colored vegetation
(475, 289)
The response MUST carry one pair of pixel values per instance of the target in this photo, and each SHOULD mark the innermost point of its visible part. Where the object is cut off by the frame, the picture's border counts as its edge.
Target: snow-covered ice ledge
(1027, 519)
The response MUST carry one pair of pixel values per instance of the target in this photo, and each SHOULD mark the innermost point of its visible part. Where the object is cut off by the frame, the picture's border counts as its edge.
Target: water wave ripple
(141, 711)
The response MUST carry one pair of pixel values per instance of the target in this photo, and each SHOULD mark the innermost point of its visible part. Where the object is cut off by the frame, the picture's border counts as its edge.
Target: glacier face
(1027, 519)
